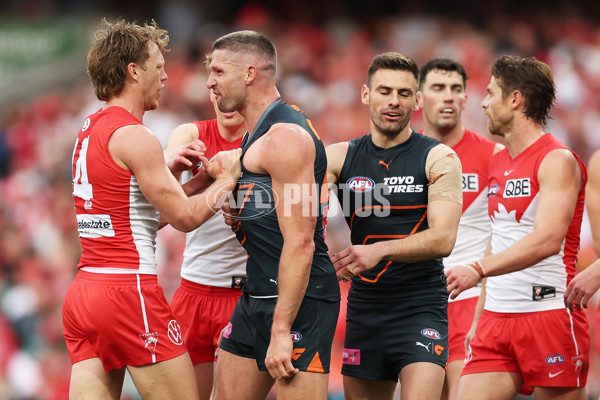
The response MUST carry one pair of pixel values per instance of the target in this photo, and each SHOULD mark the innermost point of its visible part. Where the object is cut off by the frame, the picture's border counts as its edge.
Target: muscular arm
(559, 178)
(135, 148)
(443, 215)
(183, 149)
(290, 162)
(336, 154)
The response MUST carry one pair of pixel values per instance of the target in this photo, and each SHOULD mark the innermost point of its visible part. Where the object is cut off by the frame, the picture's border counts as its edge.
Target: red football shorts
(203, 311)
(124, 319)
(548, 348)
(460, 319)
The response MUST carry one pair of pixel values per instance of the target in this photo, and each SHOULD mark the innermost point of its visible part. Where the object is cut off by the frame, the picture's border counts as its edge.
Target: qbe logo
(470, 183)
(360, 184)
(555, 359)
(431, 333)
(517, 188)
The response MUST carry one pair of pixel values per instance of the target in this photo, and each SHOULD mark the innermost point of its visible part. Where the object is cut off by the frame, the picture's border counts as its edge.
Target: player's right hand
(188, 157)
(459, 279)
(225, 165)
(279, 357)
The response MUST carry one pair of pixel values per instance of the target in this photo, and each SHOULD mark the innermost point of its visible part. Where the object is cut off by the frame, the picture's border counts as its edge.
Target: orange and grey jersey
(117, 224)
(258, 229)
(384, 196)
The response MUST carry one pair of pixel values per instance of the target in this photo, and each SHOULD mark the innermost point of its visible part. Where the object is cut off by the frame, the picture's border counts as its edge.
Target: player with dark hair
(526, 337)
(443, 99)
(401, 195)
(283, 325)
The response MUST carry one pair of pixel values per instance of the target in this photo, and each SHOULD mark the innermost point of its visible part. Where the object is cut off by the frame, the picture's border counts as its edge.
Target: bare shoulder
(131, 143)
(559, 166)
(286, 143)
(336, 155)
(184, 133)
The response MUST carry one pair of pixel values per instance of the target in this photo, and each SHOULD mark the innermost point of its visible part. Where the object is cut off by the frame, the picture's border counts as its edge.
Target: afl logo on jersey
(431, 333)
(555, 359)
(86, 125)
(296, 336)
(360, 184)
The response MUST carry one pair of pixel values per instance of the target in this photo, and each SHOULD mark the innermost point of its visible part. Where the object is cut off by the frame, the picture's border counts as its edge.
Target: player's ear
(250, 74)
(364, 94)
(418, 101)
(132, 71)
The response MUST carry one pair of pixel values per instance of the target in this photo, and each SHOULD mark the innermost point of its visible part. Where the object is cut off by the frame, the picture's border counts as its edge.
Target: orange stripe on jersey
(315, 365)
(313, 128)
(378, 275)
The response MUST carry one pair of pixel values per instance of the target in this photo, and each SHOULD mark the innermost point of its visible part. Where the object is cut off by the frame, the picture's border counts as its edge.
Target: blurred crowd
(321, 69)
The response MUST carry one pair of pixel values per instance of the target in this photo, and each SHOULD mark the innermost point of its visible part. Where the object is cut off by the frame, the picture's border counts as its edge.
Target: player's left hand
(279, 357)
(188, 157)
(582, 287)
(354, 260)
(459, 279)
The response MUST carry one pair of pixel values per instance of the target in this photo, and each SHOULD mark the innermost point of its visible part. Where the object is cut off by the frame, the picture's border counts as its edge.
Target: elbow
(551, 248)
(447, 245)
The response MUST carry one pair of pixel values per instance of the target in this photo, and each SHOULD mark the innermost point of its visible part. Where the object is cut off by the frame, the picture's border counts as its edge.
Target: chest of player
(378, 188)
(511, 191)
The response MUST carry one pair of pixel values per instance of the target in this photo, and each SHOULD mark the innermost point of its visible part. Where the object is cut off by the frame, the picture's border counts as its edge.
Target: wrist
(477, 269)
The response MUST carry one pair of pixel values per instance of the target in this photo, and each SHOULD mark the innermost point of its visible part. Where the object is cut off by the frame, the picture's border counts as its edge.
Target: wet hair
(115, 45)
(394, 61)
(443, 64)
(251, 42)
(532, 78)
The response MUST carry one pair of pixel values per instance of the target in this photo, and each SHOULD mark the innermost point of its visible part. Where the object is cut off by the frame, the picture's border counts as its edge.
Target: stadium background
(324, 49)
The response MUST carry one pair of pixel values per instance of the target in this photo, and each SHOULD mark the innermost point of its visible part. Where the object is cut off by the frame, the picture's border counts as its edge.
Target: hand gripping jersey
(384, 196)
(212, 254)
(259, 231)
(475, 153)
(117, 225)
(513, 198)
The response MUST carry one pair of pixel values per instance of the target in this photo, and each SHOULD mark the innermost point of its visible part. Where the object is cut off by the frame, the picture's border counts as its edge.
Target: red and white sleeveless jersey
(474, 228)
(117, 225)
(213, 256)
(512, 204)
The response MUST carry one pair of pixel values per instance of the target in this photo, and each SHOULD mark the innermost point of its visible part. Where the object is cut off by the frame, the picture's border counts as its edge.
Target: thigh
(304, 385)
(238, 378)
(453, 372)
(169, 379)
(89, 380)
(205, 379)
(421, 381)
(356, 388)
(490, 386)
